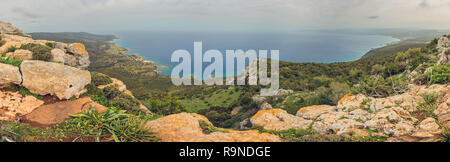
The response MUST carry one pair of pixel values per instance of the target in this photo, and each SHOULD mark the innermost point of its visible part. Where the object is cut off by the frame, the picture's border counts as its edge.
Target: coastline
(164, 69)
(161, 68)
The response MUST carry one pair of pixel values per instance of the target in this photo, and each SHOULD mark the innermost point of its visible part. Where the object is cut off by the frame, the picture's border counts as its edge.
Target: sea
(301, 47)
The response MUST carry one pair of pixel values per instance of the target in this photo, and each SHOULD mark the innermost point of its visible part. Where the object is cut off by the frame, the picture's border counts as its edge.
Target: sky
(106, 16)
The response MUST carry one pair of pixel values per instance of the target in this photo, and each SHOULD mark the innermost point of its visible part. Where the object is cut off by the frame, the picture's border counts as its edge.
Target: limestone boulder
(185, 127)
(443, 112)
(312, 112)
(8, 28)
(351, 102)
(58, 55)
(59, 112)
(55, 79)
(116, 83)
(9, 75)
(13, 105)
(20, 54)
(277, 119)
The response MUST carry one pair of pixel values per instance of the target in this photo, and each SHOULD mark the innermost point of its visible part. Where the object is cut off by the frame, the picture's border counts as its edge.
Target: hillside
(80, 87)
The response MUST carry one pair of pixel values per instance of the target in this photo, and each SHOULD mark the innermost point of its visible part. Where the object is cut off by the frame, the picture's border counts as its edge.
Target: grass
(23, 91)
(11, 61)
(114, 123)
(210, 128)
(429, 105)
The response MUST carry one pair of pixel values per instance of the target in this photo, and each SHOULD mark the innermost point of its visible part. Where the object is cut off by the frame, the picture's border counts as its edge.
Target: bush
(111, 92)
(121, 126)
(100, 79)
(11, 49)
(11, 61)
(50, 44)
(125, 102)
(441, 74)
(40, 52)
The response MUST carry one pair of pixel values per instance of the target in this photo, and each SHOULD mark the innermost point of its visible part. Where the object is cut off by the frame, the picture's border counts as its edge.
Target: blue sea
(308, 46)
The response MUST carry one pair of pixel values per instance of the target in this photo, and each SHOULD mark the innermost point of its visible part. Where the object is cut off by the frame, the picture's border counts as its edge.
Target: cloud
(24, 13)
(373, 17)
(423, 4)
(222, 15)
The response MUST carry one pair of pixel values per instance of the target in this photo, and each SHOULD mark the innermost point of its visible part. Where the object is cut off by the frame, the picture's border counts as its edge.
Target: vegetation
(429, 105)
(309, 135)
(208, 128)
(441, 74)
(11, 49)
(23, 91)
(40, 52)
(112, 125)
(100, 79)
(11, 61)
(50, 44)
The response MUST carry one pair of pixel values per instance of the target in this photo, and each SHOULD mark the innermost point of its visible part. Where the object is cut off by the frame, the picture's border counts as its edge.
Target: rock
(277, 119)
(59, 112)
(443, 43)
(360, 114)
(8, 28)
(388, 114)
(116, 83)
(265, 106)
(55, 79)
(185, 127)
(58, 55)
(427, 130)
(77, 49)
(400, 129)
(20, 54)
(312, 112)
(258, 99)
(443, 112)
(9, 75)
(284, 92)
(351, 102)
(14, 105)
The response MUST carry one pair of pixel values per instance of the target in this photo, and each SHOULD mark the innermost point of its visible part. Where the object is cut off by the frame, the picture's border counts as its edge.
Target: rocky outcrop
(313, 112)
(8, 28)
(9, 75)
(55, 79)
(357, 115)
(443, 47)
(58, 112)
(20, 54)
(185, 127)
(277, 119)
(116, 83)
(13, 105)
(75, 54)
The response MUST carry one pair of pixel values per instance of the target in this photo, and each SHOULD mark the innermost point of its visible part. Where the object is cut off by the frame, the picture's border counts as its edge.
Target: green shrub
(11, 61)
(11, 49)
(100, 79)
(121, 126)
(24, 91)
(126, 102)
(441, 74)
(40, 52)
(50, 44)
(111, 92)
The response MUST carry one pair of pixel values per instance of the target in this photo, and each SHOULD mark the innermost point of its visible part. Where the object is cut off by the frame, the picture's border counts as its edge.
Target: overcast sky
(103, 16)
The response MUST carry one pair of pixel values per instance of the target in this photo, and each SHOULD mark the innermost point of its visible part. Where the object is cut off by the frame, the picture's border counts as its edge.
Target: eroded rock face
(312, 112)
(277, 119)
(356, 115)
(20, 54)
(55, 79)
(9, 75)
(116, 83)
(58, 112)
(58, 55)
(8, 28)
(14, 105)
(185, 127)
